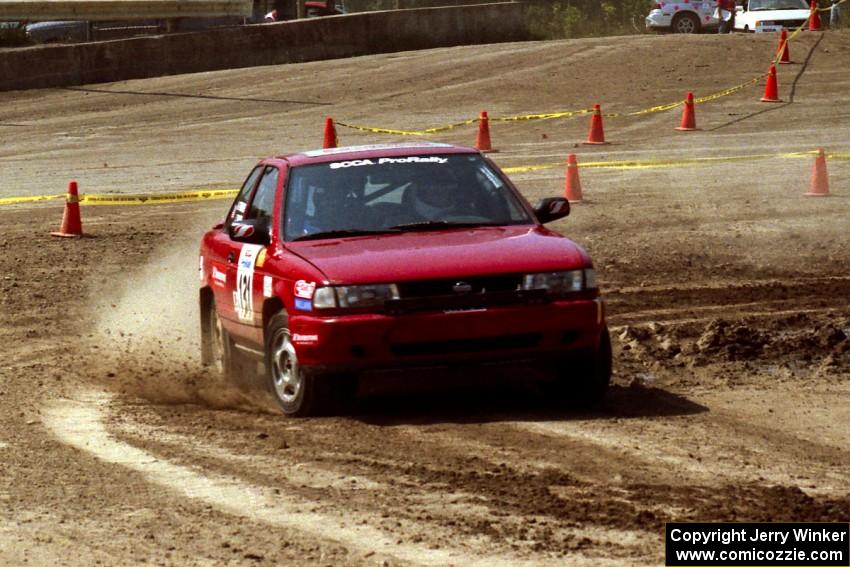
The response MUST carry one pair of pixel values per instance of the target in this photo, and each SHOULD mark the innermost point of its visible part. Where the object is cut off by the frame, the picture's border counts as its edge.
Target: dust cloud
(148, 335)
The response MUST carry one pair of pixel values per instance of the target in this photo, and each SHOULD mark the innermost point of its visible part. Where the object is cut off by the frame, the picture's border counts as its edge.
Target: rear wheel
(584, 381)
(685, 23)
(299, 393)
(227, 361)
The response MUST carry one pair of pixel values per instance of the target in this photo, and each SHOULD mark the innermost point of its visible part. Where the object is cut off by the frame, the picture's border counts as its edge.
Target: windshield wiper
(343, 233)
(439, 225)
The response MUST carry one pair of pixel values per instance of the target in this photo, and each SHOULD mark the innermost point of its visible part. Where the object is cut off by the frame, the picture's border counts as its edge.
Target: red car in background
(337, 262)
(288, 10)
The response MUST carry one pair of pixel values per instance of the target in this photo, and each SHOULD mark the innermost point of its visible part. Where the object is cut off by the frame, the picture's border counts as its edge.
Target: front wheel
(685, 23)
(299, 393)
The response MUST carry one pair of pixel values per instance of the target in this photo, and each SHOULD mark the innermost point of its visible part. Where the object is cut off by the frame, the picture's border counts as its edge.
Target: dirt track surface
(727, 292)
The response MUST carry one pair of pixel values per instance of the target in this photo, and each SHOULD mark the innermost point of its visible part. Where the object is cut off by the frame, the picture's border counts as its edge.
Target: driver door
(245, 261)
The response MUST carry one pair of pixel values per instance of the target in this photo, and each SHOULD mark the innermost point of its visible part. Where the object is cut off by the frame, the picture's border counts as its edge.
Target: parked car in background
(683, 17)
(12, 34)
(76, 31)
(318, 9)
(58, 32)
(282, 10)
(771, 15)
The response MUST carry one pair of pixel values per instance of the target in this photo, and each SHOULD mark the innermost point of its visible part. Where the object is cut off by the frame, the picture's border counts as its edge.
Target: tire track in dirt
(81, 425)
(404, 500)
(302, 474)
(665, 316)
(441, 495)
(758, 446)
(692, 303)
(441, 504)
(565, 444)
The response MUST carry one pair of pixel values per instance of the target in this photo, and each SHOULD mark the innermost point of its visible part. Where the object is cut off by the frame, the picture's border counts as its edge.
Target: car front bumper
(657, 20)
(510, 333)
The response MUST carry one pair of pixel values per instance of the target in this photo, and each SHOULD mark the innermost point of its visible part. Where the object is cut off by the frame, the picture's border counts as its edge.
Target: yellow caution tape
(131, 198)
(788, 39)
(729, 91)
(437, 129)
(425, 132)
(211, 194)
(543, 116)
(156, 198)
(16, 200)
(571, 113)
(668, 163)
(527, 168)
(548, 115)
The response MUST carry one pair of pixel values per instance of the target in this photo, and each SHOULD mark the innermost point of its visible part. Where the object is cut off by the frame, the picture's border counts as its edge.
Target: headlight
(560, 282)
(324, 298)
(354, 296)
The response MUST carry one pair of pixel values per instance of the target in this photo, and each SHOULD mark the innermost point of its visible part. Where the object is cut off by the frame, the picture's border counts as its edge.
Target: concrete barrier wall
(264, 44)
(43, 10)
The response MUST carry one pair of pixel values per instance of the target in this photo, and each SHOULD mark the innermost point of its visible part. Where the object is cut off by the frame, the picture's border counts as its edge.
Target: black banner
(758, 544)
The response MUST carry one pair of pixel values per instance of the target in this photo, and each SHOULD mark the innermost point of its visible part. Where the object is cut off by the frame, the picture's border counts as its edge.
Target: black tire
(299, 393)
(226, 361)
(685, 22)
(584, 381)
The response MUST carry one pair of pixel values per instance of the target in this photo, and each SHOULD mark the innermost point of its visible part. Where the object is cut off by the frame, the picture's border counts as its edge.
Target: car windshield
(397, 194)
(760, 5)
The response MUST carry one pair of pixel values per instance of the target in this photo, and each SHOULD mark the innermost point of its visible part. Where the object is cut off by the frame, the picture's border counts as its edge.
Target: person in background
(726, 24)
(835, 15)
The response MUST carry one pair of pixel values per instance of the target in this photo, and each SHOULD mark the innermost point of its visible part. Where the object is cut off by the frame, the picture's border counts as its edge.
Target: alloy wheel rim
(285, 374)
(685, 25)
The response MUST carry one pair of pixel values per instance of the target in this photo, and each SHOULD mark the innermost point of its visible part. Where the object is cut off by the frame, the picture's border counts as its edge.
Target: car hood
(443, 254)
(767, 15)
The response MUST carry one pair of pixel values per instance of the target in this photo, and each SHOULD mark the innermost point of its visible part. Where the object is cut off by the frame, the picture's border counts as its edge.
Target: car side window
(240, 204)
(262, 205)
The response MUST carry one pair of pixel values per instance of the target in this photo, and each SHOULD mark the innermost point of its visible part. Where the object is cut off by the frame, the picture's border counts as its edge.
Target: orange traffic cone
(771, 91)
(482, 140)
(814, 17)
(784, 58)
(71, 223)
(572, 185)
(820, 181)
(330, 134)
(689, 119)
(596, 135)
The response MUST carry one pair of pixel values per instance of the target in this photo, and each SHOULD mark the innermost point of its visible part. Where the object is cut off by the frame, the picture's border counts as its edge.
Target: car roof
(373, 151)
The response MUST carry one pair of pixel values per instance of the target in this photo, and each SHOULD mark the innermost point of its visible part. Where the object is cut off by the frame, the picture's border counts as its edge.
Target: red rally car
(336, 262)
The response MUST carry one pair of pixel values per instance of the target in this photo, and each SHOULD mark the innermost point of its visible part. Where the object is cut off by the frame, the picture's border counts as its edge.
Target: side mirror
(551, 209)
(251, 231)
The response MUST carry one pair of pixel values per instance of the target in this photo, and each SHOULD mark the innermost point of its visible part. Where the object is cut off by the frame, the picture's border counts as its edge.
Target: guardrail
(100, 10)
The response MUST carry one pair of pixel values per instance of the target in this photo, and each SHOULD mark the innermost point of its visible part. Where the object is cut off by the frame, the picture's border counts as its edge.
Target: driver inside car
(435, 199)
(327, 212)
